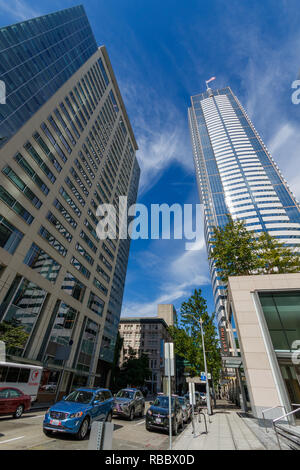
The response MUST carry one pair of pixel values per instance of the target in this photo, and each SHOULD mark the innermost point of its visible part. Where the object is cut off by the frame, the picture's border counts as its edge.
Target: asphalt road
(26, 433)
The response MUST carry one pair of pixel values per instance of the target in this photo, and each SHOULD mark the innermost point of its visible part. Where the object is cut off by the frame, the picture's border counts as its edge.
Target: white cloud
(18, 9)
(161, 131)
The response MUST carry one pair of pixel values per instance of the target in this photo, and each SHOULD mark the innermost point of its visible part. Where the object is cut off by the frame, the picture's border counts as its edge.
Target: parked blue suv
(76, 412)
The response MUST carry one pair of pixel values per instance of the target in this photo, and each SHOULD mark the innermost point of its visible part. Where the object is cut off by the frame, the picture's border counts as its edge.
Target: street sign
(203, 377)
(192, 394)
(194, 380)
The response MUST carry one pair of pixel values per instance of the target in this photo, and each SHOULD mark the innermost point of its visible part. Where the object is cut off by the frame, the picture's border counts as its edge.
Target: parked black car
(129, 402)
(157, 416)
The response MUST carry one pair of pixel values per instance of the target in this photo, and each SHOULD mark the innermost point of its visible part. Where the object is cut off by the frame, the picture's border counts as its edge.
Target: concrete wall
(265, 383)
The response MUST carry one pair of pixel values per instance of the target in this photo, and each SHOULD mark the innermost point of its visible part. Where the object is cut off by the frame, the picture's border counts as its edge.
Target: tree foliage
(188, 341)
(13, 335)
(134, 371)
(238, 252)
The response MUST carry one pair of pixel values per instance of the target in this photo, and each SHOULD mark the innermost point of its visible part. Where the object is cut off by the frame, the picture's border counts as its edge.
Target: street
(27, 434)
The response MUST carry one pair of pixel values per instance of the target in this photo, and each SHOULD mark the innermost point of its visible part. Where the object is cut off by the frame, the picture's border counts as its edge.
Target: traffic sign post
(169, 371)
(192, 403)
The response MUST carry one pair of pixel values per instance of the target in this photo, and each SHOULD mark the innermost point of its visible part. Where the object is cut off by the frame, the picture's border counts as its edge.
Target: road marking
(141, 422)
(14, 439)
(34, 417)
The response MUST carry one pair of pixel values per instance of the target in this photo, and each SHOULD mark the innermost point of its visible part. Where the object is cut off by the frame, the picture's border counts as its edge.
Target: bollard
(101, 436)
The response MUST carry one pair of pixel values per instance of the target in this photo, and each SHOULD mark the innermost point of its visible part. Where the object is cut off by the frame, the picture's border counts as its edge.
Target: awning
(232, 362)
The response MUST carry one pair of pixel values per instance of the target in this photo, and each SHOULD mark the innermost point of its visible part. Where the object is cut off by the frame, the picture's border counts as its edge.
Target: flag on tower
(210, 80)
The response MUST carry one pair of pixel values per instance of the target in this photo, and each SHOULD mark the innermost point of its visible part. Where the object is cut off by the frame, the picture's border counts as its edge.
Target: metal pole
(170, 403)
(205, 368)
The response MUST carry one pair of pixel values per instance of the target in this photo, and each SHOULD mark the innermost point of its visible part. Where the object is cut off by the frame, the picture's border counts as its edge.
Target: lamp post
(205, 364)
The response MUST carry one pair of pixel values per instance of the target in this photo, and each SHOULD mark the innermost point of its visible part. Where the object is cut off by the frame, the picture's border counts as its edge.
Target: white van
(25, 377)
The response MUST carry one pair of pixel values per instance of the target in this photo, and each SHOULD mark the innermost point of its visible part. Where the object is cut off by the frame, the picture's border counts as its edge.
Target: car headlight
(149, 412)
(76, 415)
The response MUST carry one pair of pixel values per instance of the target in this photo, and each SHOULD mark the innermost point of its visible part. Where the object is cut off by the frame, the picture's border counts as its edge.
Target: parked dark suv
(129, 402)
(157, 417)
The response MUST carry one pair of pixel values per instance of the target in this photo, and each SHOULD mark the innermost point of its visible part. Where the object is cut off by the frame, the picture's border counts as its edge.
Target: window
(53, 142)
(27, 300)
(65, 213)
(10, 237)
(52, 241)
(100, 286)
(70, 201)
(59, 227)
(19, 183)
(88, 342)
(82, 269)
(31, 173)
(281, 310)
(15, 206)
(45, 149)
(103, 71)
(95, 304)
(61, 331)
(72, 286)
(85, 254)
(41, 262)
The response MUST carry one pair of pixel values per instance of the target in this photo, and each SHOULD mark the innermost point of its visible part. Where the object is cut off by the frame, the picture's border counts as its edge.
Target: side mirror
(63, 398)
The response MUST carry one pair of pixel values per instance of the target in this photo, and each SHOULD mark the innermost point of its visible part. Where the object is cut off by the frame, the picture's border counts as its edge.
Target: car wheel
(109, 417)
(83, 429)
(19, 411)
(47, 433)
(131, 416)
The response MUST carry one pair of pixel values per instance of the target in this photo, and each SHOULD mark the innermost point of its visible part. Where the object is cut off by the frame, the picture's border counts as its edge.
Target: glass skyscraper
(68, 147)
(236, 175)
(37, 57)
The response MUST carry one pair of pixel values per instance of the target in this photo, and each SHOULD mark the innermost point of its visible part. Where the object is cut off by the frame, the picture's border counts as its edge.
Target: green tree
(232, 249)
(115, 365)
(192, 311)
(274, 257)
(13, 335)
(134, 371)
(188, 341)
(238, 252)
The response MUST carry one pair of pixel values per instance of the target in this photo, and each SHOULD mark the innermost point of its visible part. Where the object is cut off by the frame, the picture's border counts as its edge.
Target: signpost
(169, 372)
(192, 400)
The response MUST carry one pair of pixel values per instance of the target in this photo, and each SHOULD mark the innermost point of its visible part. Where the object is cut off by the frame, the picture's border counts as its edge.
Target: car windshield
(163, 402)
(80, 396)
(125, 394)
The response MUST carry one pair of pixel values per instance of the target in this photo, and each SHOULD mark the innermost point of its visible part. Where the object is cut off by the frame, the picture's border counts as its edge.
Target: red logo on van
(33, 378)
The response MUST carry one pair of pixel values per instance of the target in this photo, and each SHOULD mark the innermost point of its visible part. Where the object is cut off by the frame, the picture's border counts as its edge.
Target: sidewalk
(226, 431)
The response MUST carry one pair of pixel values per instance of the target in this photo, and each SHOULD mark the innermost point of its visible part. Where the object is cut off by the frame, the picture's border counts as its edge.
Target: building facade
(236, 175)
(63, 154)
(147, 335)
(263, 322)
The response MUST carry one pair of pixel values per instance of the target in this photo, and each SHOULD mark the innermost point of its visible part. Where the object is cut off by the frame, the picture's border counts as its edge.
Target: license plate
(55, 422)
(158, 420)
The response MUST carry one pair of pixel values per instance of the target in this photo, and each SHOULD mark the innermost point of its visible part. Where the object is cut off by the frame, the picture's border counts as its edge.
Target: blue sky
(162, 52)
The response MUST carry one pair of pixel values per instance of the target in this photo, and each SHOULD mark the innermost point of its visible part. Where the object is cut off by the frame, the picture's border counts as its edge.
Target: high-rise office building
(236, 175)
(67, 147)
